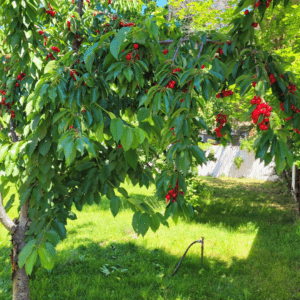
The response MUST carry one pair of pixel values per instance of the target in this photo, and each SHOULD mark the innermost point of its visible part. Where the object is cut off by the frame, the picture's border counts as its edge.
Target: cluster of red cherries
(174, 71)
(292, 88)
(220, 51)
(126, 25)
(55, 49)
(21, 76)
(45, 38)
(261, 109)
(171, 84)
(73, 73)
(296, 110)
(225, 94)
(7, 104)
(173, 193)
(68, 25)
(172, 129)
(50, 55)
(222, 119)
(50, 11)
(272, 78)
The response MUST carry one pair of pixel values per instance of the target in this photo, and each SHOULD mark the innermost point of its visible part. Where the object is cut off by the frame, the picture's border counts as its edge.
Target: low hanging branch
(5, 219)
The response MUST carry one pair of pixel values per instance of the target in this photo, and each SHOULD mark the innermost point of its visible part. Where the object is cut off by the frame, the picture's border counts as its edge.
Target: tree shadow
(233, 205)
(126, 270)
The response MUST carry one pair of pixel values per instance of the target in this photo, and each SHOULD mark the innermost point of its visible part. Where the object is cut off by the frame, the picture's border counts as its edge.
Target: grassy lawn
(252, 251)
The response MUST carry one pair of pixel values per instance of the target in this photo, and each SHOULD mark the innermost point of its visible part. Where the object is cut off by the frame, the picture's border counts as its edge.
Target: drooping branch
(5, 219)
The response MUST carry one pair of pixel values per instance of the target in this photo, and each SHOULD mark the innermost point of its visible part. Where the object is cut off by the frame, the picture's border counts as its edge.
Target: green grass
(252, 251)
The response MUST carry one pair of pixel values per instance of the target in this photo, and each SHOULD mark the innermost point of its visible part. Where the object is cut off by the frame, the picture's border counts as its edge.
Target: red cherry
(17, 84)
(168, 197)
(246, 12)
(135, 46)
(174, 195)
(181, 100)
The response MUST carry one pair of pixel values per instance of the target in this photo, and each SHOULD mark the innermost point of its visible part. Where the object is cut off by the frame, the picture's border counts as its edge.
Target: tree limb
(5, 219)
(176, 52)
(12, 131)
(201, 48)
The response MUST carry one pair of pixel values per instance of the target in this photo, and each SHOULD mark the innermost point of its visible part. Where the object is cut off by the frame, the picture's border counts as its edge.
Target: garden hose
(202, 249)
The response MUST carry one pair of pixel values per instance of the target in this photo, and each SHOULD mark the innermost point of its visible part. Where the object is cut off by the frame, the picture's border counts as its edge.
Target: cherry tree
(85, 91)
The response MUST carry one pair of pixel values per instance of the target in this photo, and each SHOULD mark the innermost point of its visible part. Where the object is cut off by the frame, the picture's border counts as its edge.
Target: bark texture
(78, 40)
(19, 277)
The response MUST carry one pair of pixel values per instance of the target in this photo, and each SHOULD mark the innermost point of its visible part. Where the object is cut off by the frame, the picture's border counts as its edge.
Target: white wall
(250, 168)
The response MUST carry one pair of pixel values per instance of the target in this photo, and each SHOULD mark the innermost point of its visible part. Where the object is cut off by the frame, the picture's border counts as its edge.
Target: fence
(250, 167)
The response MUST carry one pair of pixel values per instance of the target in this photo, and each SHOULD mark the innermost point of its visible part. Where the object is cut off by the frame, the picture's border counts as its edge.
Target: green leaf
(198, 154)
(136, 221)
(95, 94)
(25, 196)
(59, 115)
(90, 146)
(44, 146)
(115, 48)
(89, 62)
(184, 161)
(41, 132)
(123, 192)
(52, 236)
(207, 89)
(3, 152)
(144, 223)
(117, 129)
(115, 205)
(59, 228)
(128, 73)
(143, 114)
(47, 254)
(245, 86)
(25, 252)
(70, 152)
(155, 222)
(127, 138)
(132, 158)
(30, 262)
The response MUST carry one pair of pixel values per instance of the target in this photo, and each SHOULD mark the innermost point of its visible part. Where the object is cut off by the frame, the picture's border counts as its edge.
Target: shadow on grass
(270, 271)
(234, 206)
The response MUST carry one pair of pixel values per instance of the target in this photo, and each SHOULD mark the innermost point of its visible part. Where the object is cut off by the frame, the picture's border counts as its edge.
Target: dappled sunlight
(250, 247)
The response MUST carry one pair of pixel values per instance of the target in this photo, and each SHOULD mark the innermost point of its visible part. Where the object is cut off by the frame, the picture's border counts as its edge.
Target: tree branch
(12, 131)
(79, 7)
(176, 52)
(5, 219)
(201, 48)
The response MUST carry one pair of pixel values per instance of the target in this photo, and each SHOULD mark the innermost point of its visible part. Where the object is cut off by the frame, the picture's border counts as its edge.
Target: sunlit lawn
(252, 251)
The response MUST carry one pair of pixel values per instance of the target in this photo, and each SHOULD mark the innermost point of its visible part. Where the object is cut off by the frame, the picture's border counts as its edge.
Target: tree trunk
(19, 277)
